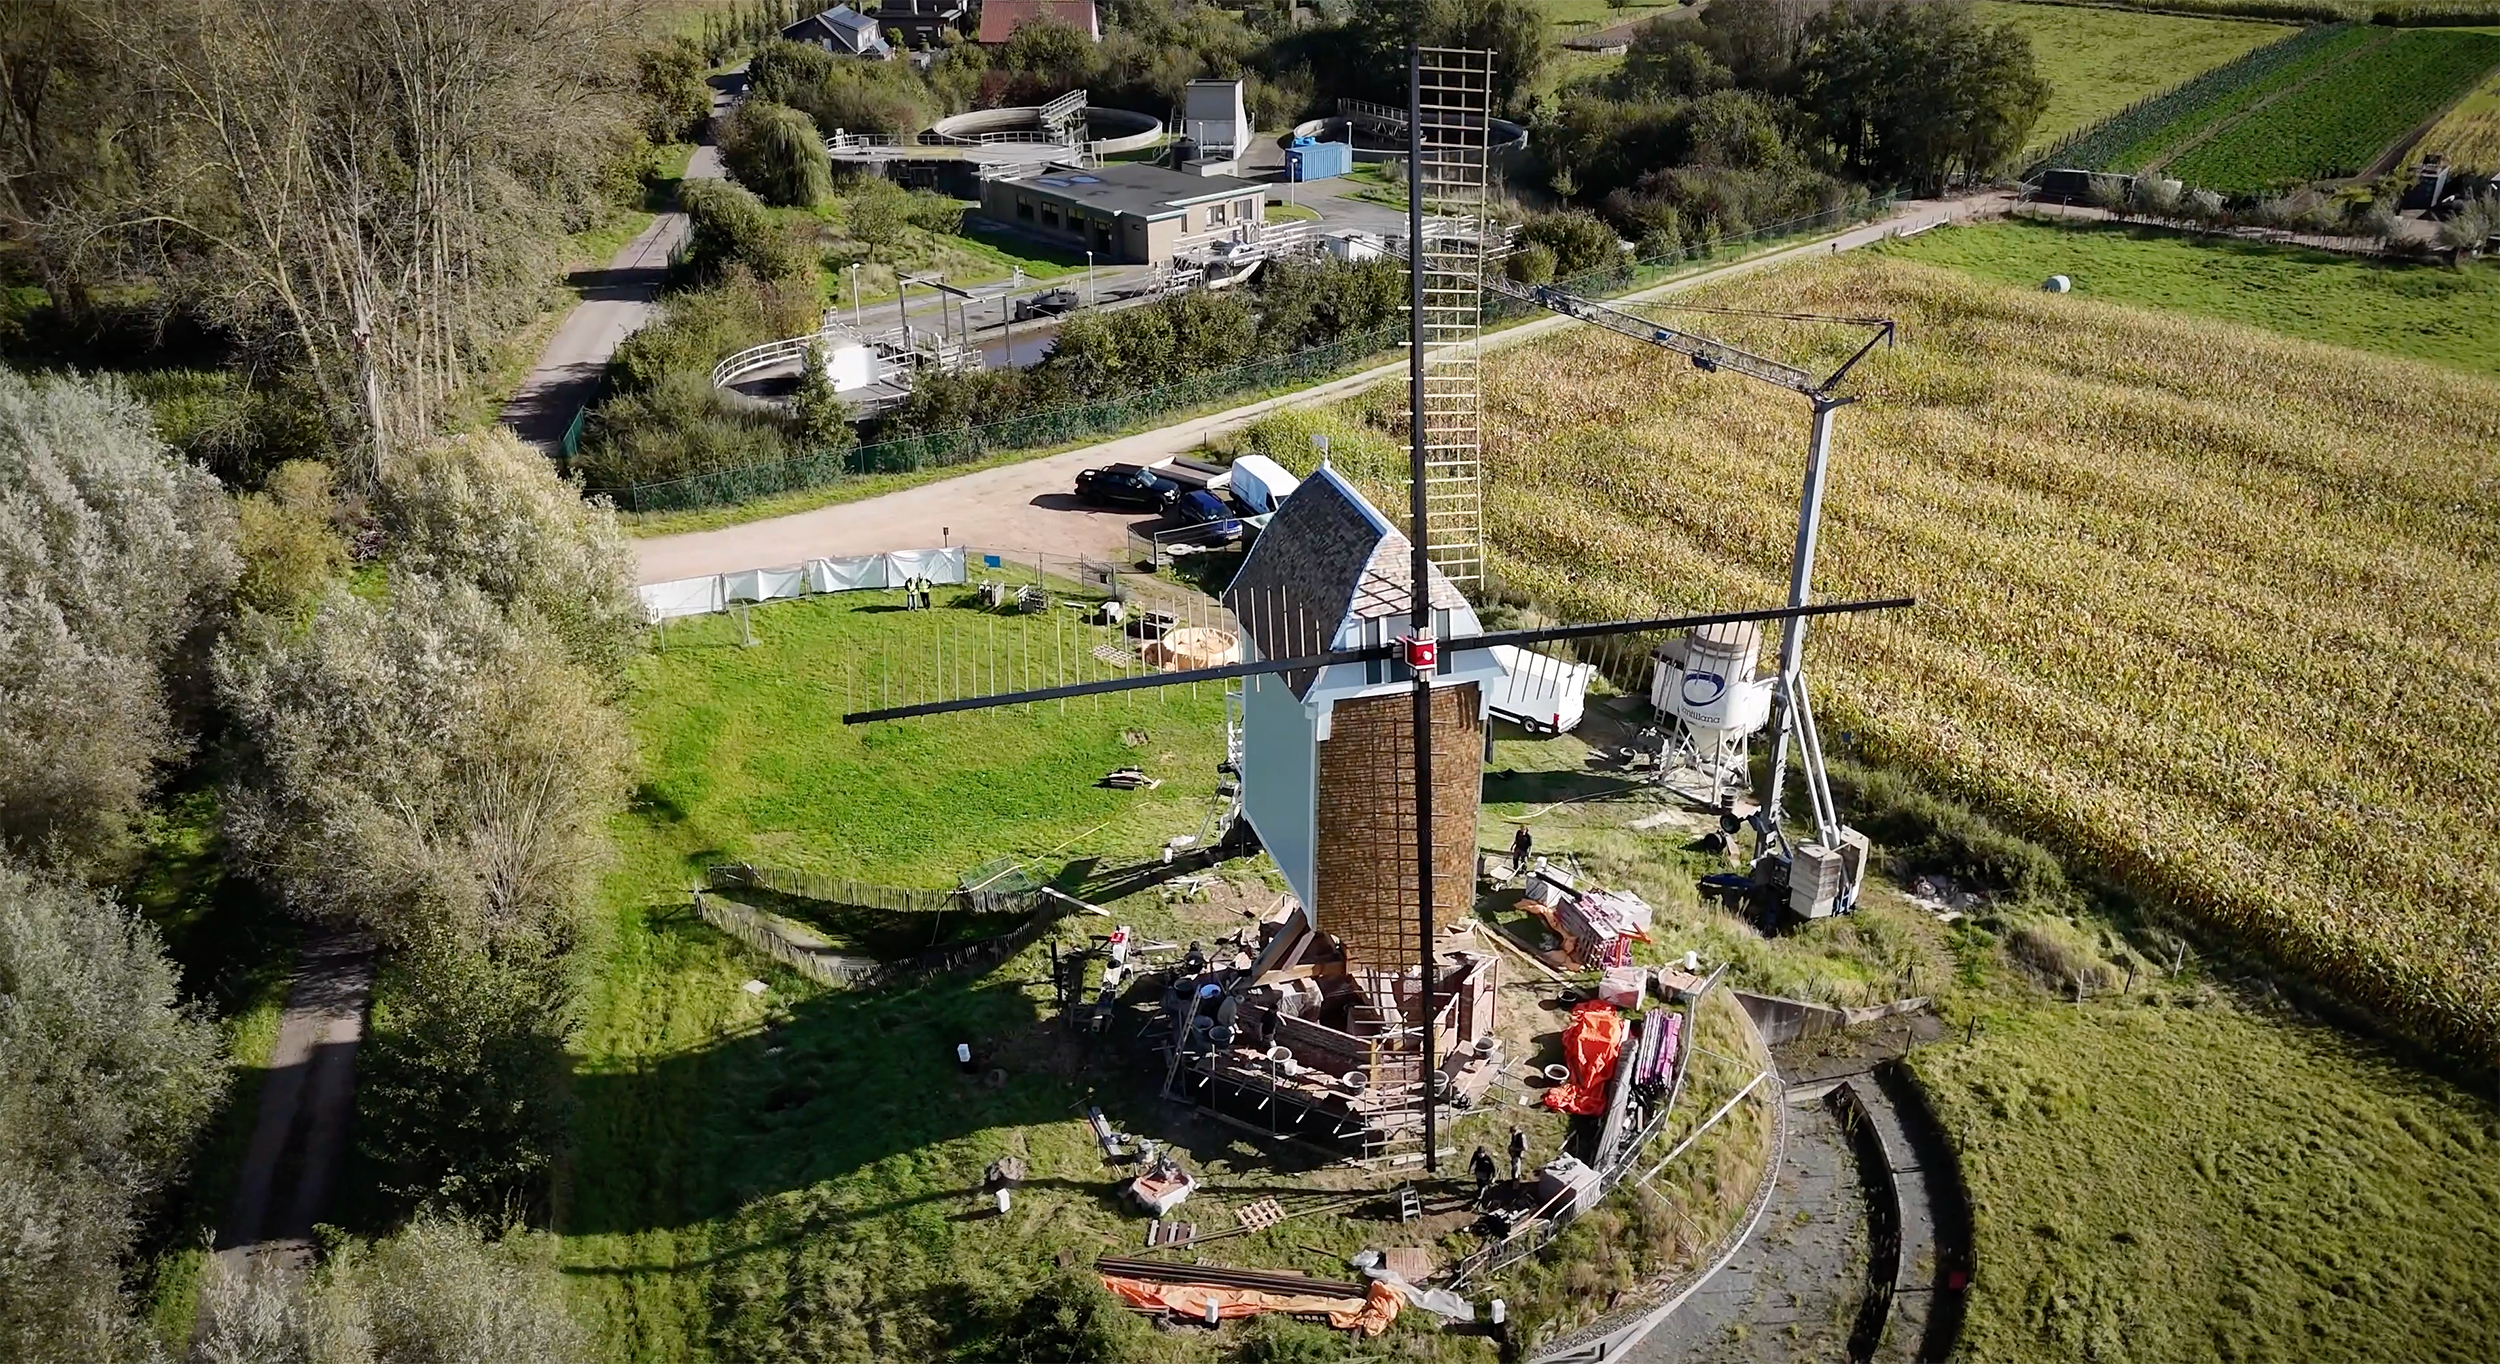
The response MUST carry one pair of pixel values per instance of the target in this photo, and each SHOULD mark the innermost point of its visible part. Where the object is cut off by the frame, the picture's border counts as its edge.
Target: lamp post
(1089, 279)
(855, 326)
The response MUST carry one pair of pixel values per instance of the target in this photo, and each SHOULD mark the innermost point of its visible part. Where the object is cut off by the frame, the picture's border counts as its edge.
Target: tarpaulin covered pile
(1369, 1314)
(1591, 1041)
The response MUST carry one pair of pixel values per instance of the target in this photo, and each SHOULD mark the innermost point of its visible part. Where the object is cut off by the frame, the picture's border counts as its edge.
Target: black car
(1126, 485)
(1049, 304)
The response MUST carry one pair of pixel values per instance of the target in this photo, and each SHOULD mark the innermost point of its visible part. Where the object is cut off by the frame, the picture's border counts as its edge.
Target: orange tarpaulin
(1592, 1040)
(1370, 1315)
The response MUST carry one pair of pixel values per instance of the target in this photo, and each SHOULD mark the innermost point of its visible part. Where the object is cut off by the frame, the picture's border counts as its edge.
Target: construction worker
(1518, 1153)
(1520, 843)
(1481, 1166)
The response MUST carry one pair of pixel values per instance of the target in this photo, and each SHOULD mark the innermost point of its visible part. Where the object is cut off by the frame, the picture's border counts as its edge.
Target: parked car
(1198, 507)
(1126, 485)
(1047, 304)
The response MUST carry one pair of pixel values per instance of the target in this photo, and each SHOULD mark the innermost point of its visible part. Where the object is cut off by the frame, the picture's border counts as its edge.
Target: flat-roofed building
(1126, 213)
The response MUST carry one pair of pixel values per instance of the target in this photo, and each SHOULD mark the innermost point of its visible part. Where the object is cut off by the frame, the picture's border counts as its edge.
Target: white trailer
(1539, 693)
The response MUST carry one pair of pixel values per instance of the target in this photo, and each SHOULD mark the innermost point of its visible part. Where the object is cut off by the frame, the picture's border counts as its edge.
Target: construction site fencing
(815, 959)
(836, 890)
(717, 592)
(1072, 422)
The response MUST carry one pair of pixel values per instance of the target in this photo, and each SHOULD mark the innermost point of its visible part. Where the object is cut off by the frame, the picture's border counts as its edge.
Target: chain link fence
(1072, 422)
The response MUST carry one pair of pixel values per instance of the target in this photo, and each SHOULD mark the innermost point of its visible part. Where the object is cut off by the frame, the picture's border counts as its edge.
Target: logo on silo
(1702, 689)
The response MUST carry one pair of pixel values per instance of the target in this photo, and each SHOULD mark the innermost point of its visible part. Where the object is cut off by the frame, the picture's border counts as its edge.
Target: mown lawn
(2099, 61)
(2422, 312)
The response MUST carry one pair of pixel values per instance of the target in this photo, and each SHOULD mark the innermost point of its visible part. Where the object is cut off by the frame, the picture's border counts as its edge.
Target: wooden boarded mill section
(1366, 822)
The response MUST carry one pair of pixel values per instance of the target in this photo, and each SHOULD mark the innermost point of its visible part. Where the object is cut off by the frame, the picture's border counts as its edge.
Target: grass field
(2451, 317)
(2157, 127)
(2337, 124)
(2099, 61)
(793, 1176)
(2169, 570)
(1580, 16)
(2185, 1174)
(2469, 135)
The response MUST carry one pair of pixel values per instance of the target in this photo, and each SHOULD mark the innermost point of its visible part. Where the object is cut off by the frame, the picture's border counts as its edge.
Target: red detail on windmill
(1423, 654)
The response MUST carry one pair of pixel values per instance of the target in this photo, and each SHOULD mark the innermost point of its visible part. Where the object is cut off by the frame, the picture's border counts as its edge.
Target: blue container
(1318, 161)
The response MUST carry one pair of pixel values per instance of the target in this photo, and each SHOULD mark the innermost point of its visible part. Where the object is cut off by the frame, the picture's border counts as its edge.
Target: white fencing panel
(939, 566)
(707, 596)
(765, 584)
(846, 575)
(685, 597)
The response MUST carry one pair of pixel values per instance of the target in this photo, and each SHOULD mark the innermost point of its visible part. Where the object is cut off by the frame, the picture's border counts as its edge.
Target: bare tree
(371, 182)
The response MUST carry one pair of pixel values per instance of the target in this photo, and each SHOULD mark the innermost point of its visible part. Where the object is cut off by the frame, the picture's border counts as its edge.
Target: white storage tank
(1709, 683)
(850, 363)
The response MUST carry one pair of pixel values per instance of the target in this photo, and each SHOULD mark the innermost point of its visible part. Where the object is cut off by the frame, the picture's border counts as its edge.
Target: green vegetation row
(963, 442)
(2143, 129)
(2340, 122)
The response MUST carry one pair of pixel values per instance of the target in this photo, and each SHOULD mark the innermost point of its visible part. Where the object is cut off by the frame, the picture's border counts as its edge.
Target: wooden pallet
(1258, 1216)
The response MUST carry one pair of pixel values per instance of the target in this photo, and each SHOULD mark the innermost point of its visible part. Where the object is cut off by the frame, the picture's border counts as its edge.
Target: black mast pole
(1419, 595)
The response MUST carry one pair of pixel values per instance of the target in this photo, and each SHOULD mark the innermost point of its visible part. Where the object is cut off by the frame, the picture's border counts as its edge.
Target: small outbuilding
(1125, 212)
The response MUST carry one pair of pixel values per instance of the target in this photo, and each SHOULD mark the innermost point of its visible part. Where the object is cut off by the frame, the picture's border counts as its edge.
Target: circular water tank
(2057, 284)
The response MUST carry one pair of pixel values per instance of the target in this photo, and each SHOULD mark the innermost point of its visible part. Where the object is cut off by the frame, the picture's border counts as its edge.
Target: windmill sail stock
(1386, 654)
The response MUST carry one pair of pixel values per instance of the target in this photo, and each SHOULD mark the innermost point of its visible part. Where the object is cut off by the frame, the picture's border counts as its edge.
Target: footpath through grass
(2422, 312)
(2099, 61)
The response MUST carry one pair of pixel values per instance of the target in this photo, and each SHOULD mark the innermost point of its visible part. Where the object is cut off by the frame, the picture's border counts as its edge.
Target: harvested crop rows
(2338, 123)
(2216, 610)
(2470, 134)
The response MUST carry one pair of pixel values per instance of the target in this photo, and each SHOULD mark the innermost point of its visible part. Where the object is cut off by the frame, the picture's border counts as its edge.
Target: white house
(841, 30)
(1327, 755)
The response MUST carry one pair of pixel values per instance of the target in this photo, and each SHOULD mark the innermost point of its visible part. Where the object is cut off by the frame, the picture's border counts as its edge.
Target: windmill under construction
(1364, 701)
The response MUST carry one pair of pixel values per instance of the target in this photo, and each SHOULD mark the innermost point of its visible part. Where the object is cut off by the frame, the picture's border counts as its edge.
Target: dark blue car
(1199, 507)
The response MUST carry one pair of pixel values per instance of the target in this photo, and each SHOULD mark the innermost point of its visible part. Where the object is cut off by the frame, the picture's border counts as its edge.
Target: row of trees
(1765, 110)
(428, 757)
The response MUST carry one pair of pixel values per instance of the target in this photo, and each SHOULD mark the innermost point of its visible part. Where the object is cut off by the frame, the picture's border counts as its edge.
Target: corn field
(2215, 610)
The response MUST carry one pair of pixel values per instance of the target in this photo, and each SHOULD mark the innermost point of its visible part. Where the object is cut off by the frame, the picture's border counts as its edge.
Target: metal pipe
(1800, 587)
(1419, 591)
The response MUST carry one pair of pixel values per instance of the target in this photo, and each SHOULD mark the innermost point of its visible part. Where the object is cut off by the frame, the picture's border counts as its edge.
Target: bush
(676, 100)
(776, 151)
(291, 549)
(1580, 241)
(109, 1076)
(728, 229)
(422, 763)
(1072, 1316)
(486, 510)
(462, 1081)
(117, 562)
(438, 1292)
(1532, 263)
(819, 418)
(1926, 832)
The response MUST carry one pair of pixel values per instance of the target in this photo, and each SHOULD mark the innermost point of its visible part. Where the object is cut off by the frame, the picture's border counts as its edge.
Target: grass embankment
(2450, 317)
(795, 1175)
(2099, 61)
(2469, 135)
(2178, 579)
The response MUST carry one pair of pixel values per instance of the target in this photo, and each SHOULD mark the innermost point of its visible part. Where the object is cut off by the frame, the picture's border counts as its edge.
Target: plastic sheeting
(847, 575)
(706, 596)
(1592, 1041)
(1370, 1315)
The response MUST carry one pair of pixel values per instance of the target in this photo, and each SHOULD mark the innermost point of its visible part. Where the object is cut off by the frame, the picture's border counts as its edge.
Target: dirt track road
(1027, 507)
(299, 1139)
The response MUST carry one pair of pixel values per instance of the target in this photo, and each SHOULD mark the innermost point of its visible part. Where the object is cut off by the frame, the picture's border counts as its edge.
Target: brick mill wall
(1366, 888)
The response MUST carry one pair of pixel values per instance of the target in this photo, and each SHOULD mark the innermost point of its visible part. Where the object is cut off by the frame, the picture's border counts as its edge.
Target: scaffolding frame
(1454, 98)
